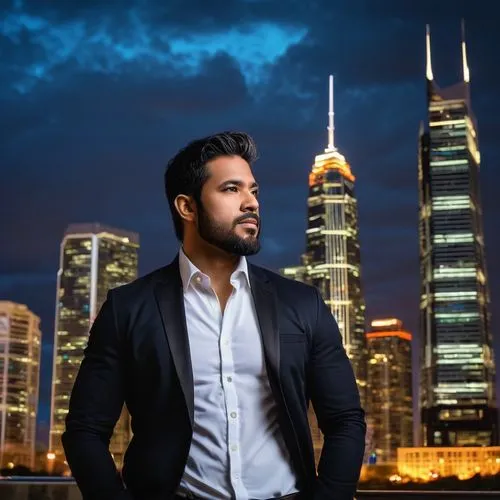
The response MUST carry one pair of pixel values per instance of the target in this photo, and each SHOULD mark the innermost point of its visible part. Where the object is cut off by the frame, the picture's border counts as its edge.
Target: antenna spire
(428, 68)
(464, 56)
(331, 127)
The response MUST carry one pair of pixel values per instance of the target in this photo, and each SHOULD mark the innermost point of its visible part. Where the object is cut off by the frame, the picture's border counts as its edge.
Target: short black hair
(186, 172)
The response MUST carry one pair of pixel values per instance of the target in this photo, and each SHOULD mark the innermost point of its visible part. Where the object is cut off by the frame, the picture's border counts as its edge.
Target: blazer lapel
(170, 300)
(265, 306)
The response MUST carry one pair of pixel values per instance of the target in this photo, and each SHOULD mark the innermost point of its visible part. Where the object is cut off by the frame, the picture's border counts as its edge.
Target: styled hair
(186, 172)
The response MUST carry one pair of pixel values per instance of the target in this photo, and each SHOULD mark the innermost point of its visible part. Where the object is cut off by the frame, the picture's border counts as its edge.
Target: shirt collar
(188, 271)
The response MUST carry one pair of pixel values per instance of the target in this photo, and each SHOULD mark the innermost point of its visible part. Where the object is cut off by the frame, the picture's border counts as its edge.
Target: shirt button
(233, 414)
(234, 448)
(229, 379)
(236, 476)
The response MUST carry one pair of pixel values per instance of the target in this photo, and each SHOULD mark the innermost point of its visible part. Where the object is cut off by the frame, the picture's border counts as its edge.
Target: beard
(225, 238)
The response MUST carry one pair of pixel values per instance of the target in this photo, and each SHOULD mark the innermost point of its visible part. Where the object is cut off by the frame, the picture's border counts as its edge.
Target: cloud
(103, 46)
(254, 46)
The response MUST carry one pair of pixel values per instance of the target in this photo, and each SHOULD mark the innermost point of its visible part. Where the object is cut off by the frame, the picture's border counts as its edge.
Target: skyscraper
(93, 259)
(331, 261)
(332, 254)
(458, 370)
(20, 342)
(389, 384)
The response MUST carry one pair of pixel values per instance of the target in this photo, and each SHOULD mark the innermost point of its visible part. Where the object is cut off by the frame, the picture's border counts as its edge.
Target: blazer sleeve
(95, 405)
(336, 402)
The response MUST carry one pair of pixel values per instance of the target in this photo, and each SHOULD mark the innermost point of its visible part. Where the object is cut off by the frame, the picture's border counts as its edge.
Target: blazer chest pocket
(287, 338)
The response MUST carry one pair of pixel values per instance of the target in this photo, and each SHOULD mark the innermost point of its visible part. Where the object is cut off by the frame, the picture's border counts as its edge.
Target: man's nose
(250, 203)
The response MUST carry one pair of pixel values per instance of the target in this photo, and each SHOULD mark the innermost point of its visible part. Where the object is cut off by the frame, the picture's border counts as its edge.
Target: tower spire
(331, 127)
(464, 56)
(428, 68)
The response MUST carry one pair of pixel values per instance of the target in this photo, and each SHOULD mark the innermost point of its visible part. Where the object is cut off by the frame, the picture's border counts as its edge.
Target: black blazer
(138, 354)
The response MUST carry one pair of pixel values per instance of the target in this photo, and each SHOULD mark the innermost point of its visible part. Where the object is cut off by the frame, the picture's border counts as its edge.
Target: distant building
(20, 351)
(464, 462)
(94, 258)
(389, 400)
(331, 261)
(458, 368)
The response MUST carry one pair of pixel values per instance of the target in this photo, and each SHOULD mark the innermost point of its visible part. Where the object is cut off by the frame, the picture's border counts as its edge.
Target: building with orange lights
(389, 389)
(93, 259)
(458, 369)
(331, 261)
(430, 463)
(20, 352)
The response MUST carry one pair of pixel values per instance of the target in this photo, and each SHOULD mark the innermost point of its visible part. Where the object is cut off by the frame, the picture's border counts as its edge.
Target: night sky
(96, 96)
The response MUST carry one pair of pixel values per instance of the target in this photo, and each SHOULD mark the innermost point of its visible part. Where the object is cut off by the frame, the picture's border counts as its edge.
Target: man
(216, 360)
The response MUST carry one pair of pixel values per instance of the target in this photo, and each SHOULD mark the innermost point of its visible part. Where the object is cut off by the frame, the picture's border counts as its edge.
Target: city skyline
(58, 138)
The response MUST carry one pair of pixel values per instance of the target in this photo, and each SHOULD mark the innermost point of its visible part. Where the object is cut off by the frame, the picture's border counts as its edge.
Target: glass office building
(389, 384)
(93, 259)
(331, 261)
(458, 369)
(20, 352)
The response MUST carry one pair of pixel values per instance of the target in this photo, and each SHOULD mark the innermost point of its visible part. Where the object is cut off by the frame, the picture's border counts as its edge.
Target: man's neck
(215, 263)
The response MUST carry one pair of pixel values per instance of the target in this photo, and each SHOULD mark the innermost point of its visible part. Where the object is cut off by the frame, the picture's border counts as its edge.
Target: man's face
(228, 217)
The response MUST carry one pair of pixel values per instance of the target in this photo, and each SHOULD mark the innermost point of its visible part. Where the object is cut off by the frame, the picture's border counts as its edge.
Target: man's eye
(234, 189)
(256, 194)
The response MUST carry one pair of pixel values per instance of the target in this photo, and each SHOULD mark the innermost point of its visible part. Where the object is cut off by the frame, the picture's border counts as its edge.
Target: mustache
(246, 217)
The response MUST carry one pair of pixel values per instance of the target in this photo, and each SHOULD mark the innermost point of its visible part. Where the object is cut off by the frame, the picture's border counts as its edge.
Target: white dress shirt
(237, 451)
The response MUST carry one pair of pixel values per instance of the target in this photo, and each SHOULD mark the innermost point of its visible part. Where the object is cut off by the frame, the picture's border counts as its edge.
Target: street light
(51, 457)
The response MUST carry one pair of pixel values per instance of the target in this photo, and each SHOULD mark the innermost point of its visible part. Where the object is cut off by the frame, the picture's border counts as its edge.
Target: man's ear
(185, 207)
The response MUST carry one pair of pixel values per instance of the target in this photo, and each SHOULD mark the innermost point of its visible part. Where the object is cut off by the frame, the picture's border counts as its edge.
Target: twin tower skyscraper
(457, 365)
(457, 393)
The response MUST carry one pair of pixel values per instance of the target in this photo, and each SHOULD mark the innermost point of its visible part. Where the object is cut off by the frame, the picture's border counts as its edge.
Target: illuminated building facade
(93, 259)
(331, 261)
(389, 389)
(458, 370)
(20, 351)
(463, 462)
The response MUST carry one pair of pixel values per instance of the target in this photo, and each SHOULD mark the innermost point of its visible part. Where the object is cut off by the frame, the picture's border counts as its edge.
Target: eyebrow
(238, 183)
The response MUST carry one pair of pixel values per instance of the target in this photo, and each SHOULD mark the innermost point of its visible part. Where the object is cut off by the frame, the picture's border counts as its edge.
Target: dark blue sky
(95, 97)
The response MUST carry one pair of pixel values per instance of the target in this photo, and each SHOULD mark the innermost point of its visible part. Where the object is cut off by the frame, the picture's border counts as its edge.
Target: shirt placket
(231, 397)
